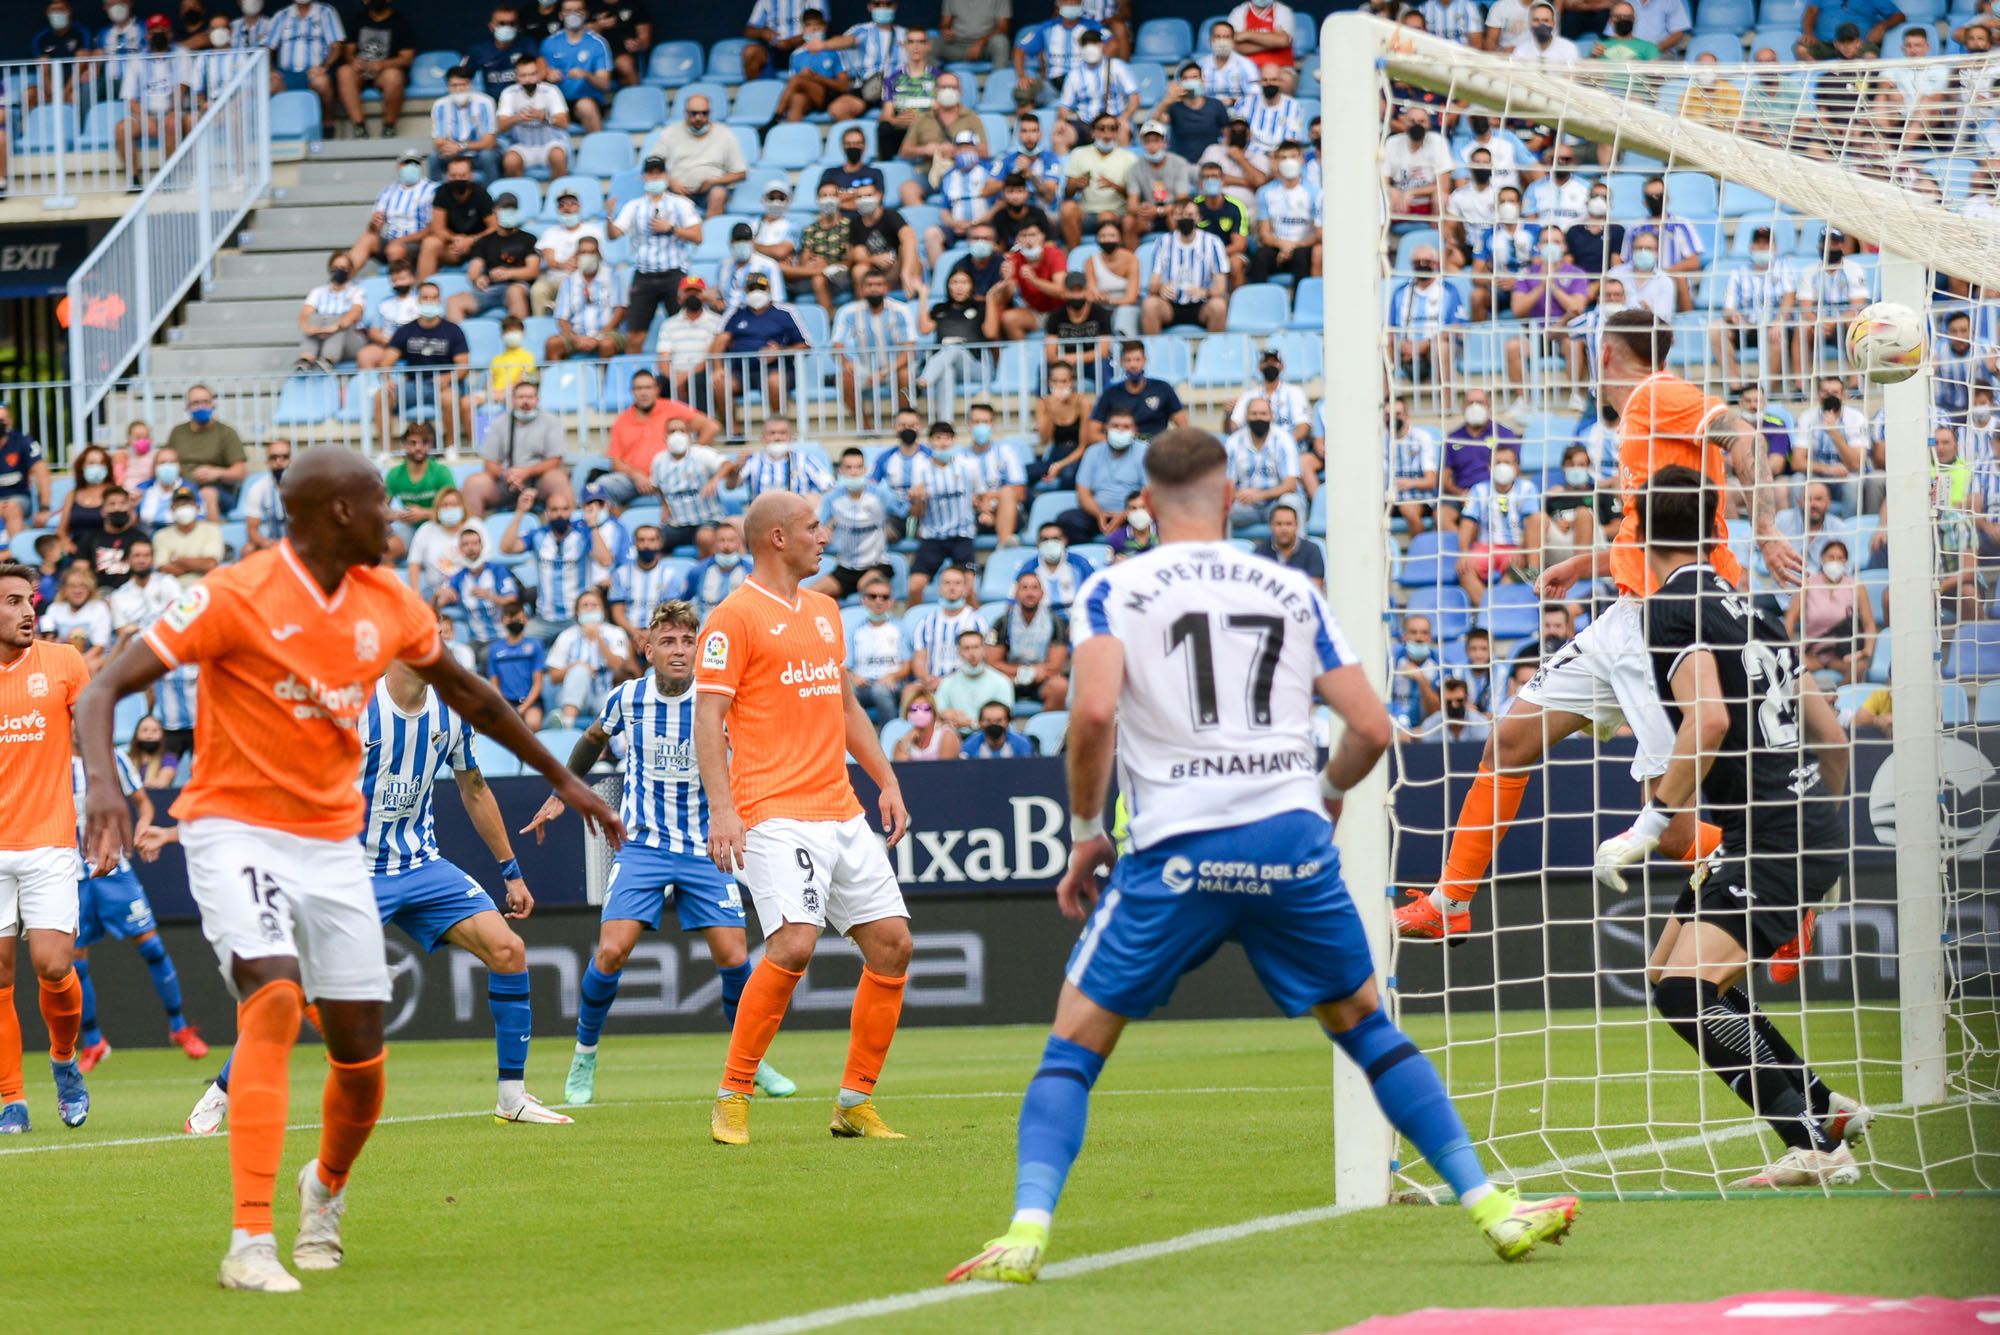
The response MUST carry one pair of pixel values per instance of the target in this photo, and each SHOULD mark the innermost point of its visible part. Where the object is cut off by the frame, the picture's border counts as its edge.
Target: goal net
(1754, 205)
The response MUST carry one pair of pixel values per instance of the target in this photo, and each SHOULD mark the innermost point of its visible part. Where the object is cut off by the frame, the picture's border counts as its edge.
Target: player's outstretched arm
(582, 759)
(1743, 445)
(107, 819)
(1704, 722)
(1353, 701)
(484, 812)
(1561, 577)
(865, 745)
(481, 706)
(1097, 678)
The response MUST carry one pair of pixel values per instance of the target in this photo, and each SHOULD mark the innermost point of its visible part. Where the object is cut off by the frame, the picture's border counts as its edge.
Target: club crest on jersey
(715, 651)
(187, 607)
(825, 629)
(367, 642)
(38, 684)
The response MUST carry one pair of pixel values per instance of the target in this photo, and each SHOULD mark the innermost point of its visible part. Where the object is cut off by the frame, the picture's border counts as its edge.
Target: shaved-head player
(291, 641)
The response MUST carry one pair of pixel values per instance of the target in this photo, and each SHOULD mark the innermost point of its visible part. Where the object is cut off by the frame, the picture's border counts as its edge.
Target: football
(1886, 342)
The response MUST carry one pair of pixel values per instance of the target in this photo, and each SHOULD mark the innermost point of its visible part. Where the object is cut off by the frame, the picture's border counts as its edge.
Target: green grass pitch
(632, 1219)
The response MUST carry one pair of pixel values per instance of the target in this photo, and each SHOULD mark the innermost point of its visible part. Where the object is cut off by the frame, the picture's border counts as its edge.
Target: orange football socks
(878, 1005)
(348, 1109)
(759, 1012)
(1483, 819)
(62, 1012)
(12, 1090)
(267, 1025)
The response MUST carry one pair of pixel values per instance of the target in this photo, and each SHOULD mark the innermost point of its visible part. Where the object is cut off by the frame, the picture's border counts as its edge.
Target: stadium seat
(1954, 176)
(1954, 706)
(1726, 46)
(997, 94)
(100, 125)
(1167, 356)
(1309, 304)
(526, 194)
(23, 548)
(637, 110)
(1724, 16)
(1047, 506)
(570, 387)
(1740, 201)
(725, 60)
(295, 116)
(46, 128)
(1692, 195)
(493, 759)
(717, 95)
(1784, 236)
(675, 64)
(1975, 651)
(1430, 560)
(1512, 612)
(1780, 13)
(1446, 605)
(125, 717)
(1780, 38)
(427, 74)
(791, 145)
(892, 732)
(1163, 40)
(589, 193)
(1987, 709)
(1258, 308)
(607, 152)
(1151, 80)
(307, 400)
(1048, 731)
(1218, 361)
(756, 103)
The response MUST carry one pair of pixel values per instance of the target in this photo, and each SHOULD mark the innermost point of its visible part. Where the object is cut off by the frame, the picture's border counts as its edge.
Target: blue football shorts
(112, 906)
(643, 877)
(429, 900)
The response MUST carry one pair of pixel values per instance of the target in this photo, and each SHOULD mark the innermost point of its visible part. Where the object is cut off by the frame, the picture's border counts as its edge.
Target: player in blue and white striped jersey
(111, 902)
(666, 841)
(1197, 670)
(409, 739)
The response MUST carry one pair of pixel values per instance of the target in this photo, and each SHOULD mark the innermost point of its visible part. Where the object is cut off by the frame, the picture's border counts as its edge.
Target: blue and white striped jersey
(856, 520)
(1262, 468)
(964, 190)
(1091, 90)
(802, 471)
(252, 32)
(405, 209)
(1454, 20)
(1057, 42)
(642, 589)
(858, 331)
(1041, 166)
(330, 303)
(562, 568)
(1756, 294)
(482, 615)
(119, 41)
(1425, 310)
(1188, 266)
(263, 501)
(680, 482)
(589, 303)
(1677, 237)
(1842, 285)
(708, 583)
(998, 466)
(1271, 123)
(1415, 454)
(934, 639)
(302, 37)
(1229, 80)
(661, 802)
(876, 48)
(735, 273)
(949, 487)
(174, 698)
(402, 755)
(1502, 516)
(1589, 326)
(617, 541)
(782, 17)
(1215, 718)
(896, 471)
(128, 783)
(479, 117)
(575, 650)
(657, 252)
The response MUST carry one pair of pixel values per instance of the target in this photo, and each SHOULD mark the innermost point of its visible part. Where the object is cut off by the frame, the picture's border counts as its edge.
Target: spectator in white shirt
(145, 594)
(534, 122)
(1545, 46)
(1642, 284)
(1664, 23)
(1756, 308)
(78, 617)
(557, 245)
(1415, 166)
(1471, 209)
(1915, 109)
(684, 343)
(589, 658)
(1506, 25)
(1561, 199)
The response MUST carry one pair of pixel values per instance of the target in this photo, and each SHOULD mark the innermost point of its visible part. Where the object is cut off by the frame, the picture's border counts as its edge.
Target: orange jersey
(783, 665)
(1664, 423)
(37, 692)
(285, 673)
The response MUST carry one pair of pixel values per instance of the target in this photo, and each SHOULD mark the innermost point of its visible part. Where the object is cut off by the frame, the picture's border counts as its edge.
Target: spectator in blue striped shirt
(856, 516)
(464, 120)
(642, 584)
(1189, 282)
(1414, 458)
(1458, 21)
(1046, 53)
(1227, 75)
(896, 470)
(781, 465)
(944, 509)
(401, 217)
(561, 548)
(776, 29)
(876, 338)
(1263, 465)
(1500, 528)
(1681, 249)
(877, 48)
(1422, 311)
(479, 588)
(264, 516)
(590, 312)
(1756, 308)
(308, 41)
(1097, 86)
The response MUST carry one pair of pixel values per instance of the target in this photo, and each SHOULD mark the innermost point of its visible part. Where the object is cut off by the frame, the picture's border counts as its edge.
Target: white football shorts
(38, 890)
(265, 893)
(819, 871)
(1605, 675)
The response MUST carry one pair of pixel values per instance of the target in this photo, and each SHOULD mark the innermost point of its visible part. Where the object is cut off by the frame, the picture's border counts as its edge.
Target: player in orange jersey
(291, 641)
(39, 871)
(1603, 677)
(783, 816)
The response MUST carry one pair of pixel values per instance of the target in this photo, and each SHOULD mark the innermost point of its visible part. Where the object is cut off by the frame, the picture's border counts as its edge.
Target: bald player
(783, 817)
(291, 641)
(1603, 677)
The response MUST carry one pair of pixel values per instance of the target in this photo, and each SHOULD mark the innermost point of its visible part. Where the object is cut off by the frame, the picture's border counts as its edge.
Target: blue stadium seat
(791, 145)
(1780, 38)
(1780, 13)
(527, 196)
(637, 110)
(676, 63)
(1219, 361)
(493, 759)
(1048, 731)
(756, 103)
(570, 387)
(482, 341)
(1047, 506)
(1258, 308)
(1727, 46)
(1446, 605)
(295, 116)
(125, 717)
(1954, 708)
(1724, 16)
(1305, 39)
(1954, 176)
(607, 152)
(1163, 40)
(589, 192)
(427, 74)
(1152, 83)
(1987, 709)
(1975, 651)
(921, 216)
(1167, 357)
(100, 126)
(715, 235)
(1740, 201)
(1309, 304)
(892, 732)
(725, 60)
(717, 95)
(307, 400)
(1430, 560)
(23, 547)
(997, 93)
(46, 128)
(1784, 236)
(1511, 613)
(832, 155)
(1692, 195)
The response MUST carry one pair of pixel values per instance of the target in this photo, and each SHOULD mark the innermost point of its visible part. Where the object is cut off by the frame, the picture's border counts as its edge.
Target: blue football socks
(165, 981)
(1053, 1115)
(91, 1036)
(1414, 1100)
(513, 1020)
(598, 992)
(733, 979)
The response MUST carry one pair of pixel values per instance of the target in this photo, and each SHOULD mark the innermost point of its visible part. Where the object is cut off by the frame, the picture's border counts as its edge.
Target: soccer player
(1731, 683)
(782, 812)
(291, 640)
(666, 847)
(1601, 679)
(115, 904)
(1210, 716)
(39, 684)
(408, 740)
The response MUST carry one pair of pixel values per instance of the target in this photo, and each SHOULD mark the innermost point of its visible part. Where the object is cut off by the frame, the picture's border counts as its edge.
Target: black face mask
(157, 42)
(1656, 205)
(401, 289)
(1481, 176)
(994, 732)
(1185, 226)
(1258, 427)
(646, 557)
(692, 305)
(1269, 89)
(1271, 370)
(876, 299)
(140, 745)
(854, 154)
(1454, 709)
(1423, 266)
(1417, 133)
(1108, 246)
(1238, 136)
(517, 627)
(1831, 403)
(1607, 414)
(908, 435)
(117, 521)
(1622, 27)
(1479, 124)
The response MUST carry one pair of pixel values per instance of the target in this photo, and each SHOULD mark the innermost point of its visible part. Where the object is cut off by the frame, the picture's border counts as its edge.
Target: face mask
(461, 99)
(994, 732)
(1050, 550)
(1070, 13)
(502, 33)
(677, 443)
(757, 299)
(1118, 438)
(1270, 91)
(827, 207)
(1211, 187)
(513, 338)
(59, 20)
(1185, 226)
(1543, 32)
(560, 527)
(740, 251)
(525, 414)
(95, 473)
(1834, 570)
(777, 449)
(1222, 48)
(1476, 415)
(201, 416)
(1259, 428)
(1481, 176)
(1510, 213)
(854, 486)
(1761, 258)
(1622, 27)
(1504, 475)
(1032, 254)
(588, 264)
(947, 97)
(869, 205)
(647, 557)
(1091, 54)
(951, 604)
(972, 669)
(157, 42)
(657, 186)
(1576, 477)
(1553, 252)
(727, 560)
(185, 515)
(1156, 155)
(882, 14)
(142, 444)
(118, 13)
(982, 432)
(878, 615)
(166, 474)
(510, 218)
(1645, 261)
(572, 21)
(1104, 145)
(692, 305)
(774, 208)
(853, 154)
(980, 250)
(1192, 85)
(451, 516)
(1423, 266)
(430, 310)
(1289, 168)
(528, 87)
(1597, 208)
(1138, 520)
(1418, 132)
(221, 37)
(571, 217)
(409, 173)
(1981, 416)
(1417, 653)
(944, 454)
(908, 435)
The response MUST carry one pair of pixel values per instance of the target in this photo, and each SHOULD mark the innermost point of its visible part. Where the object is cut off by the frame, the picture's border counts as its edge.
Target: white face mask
(727, 560)
(1553, 252)
(1597, 208)
(1476, 415)
(587, 264)
(947, 97)
(757, 299)
(590, 617)
(1138, 520)
(1504, 475)
(185, 515)
(778, 449)
(1834, 571)
(503, 33)
(118, 13)
(1289, 168)
(1222, 48)
(514, 338)
(1051, 550)
(1510, 213)
(1091, 54)
(677, 443)
(221, 36)
(252, 8)
(451, 516)
(1577, 477)
(461, 99)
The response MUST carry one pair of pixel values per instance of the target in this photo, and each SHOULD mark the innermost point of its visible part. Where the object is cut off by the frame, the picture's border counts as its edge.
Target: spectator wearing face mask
(883, 242)
(190, 546)
(1423, 311)
(1108, 480)
(1040, 169)
(877, 48)
(1188, 283)
(942, 136)
(588, 659)
(1643, 283)
(687, 340)
(590, 310)
(517, 664)
(1242, 167)
(1098, 182)
(976, 684)
(781, 465)
(330, 319)
(1031, 289)
(704, 159)
(1263, 465)
(558, 244)
(1681, 250)
(1595, 243)
(1621, 42)
(1499, 527)
(480, 589)
(1099, 88)
(856, 516)
(1193, 115)
(1833, 618)
(264, 518)
(995, 738)
(928, 737)
(1468, 452)
(1273, 115)
(1415, 676)
(210, 452)
(1501, 254)
(878, 652)
(1544, 46)
(533, 120)
(1457, 719)
(721, 572)
(1289, 221)
(641, 584)
(815, 77)
(401, 216)
(1570, 508)
(1058, 571)
(1756, 308)
(688, 476)
(83, 508)
(1553, 292)
(1046, 53)
(107, 549)
(561, 549)
(462, 214)
(1226, 75)
(1471, 209)
(465, 122)
(1415, 167)
(1414, 468)
(968, 188)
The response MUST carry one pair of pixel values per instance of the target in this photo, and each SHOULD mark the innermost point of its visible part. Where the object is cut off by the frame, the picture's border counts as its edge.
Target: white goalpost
(1539, 1018)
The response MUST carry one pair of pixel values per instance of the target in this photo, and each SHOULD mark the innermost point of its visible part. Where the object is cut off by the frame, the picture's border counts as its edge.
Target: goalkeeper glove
(1630, 848)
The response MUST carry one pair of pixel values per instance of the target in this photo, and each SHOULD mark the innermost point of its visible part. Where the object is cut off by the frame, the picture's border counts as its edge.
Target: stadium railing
(125, 290)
